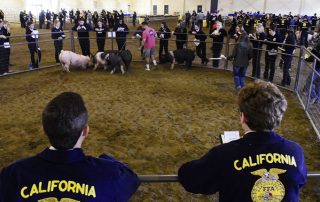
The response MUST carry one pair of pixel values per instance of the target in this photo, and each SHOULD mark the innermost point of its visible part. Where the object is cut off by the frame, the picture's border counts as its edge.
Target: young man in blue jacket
(261, 166)
(62, 172)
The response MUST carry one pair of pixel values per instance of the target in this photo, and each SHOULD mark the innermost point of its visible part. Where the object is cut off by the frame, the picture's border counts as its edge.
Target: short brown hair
(263, 105)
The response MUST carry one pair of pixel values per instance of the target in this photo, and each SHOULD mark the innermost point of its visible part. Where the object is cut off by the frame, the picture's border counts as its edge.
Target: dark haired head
(164, 24)
(144, 23)
(273, 27)
(291, 38)
(63, 120)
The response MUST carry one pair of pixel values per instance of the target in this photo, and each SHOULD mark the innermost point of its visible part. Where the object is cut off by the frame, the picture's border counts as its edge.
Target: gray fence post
(227, 52)
(296, 85)
(38, 53)
(112, 37)
(311, 83)
(73, 49)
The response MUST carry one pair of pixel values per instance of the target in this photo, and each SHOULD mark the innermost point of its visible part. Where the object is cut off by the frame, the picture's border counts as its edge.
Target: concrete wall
(12, 9)
(308, 7)
(143, 7)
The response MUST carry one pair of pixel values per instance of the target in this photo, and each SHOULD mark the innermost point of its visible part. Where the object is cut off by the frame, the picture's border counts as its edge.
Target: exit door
(155, 9)
(166, 9)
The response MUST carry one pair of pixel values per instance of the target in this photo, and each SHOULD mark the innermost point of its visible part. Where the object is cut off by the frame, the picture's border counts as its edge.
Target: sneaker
(156, 67)
(147, 69)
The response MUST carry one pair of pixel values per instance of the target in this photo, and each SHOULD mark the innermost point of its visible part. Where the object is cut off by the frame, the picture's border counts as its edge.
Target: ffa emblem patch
(268, 187)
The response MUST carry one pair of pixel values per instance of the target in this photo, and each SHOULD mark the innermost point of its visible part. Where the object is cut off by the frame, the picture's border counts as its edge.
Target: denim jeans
(239, 75)
(315, 89)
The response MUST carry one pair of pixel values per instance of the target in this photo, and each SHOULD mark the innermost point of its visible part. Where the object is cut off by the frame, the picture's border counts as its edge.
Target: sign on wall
(166, 9)
(199, 8)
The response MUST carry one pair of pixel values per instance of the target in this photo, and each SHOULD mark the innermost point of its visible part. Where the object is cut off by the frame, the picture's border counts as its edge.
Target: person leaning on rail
(62, 172)
(261, 166)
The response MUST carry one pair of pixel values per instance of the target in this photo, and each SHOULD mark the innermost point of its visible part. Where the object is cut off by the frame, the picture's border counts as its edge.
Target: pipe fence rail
(174, 178)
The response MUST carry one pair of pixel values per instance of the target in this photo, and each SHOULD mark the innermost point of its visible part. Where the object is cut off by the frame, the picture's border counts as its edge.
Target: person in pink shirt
(149, 42)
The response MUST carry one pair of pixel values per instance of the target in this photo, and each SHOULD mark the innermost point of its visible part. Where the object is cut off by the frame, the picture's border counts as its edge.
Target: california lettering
(259, 159)
(58, 185)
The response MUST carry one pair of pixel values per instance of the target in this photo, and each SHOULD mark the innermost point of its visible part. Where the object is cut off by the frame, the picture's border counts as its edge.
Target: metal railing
(174, 178)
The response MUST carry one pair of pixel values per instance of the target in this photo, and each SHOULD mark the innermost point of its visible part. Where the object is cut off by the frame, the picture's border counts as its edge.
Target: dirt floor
(153, 121)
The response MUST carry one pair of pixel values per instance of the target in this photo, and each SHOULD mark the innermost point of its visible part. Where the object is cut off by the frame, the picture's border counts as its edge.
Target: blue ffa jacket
(83, 31)
(28, 36)
(56, 33)
(275, 39)
(259, 167)
(121, 30)
(54, 175)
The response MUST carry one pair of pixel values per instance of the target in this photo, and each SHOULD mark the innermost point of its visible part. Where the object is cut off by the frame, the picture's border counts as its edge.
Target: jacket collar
(262, 137)
(62, 156)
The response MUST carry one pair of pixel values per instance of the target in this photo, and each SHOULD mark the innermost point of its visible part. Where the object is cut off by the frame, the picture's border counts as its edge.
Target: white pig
(69, 58)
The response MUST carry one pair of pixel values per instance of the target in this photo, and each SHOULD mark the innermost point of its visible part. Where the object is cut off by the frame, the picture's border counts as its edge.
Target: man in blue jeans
(62, 172)
(241, 55)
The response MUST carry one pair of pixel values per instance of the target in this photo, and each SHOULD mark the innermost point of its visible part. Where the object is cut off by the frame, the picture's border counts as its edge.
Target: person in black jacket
(22, 21)
(134, 19)
(32, 39)
(287, 50)
(181, 35)
(101, 35)
(304, 27)
(241, 55)
(42, 18)
(164, 34)
(256, 38)
(122, 31)
(57, 35)
(48, 17)
(271, 53)
(314, 20)
(7, 33)
(83, 35)
(200, 42)
(217, 36)
(3, 53)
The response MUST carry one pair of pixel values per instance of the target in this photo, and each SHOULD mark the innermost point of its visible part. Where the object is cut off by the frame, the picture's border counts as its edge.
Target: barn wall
(12, 8)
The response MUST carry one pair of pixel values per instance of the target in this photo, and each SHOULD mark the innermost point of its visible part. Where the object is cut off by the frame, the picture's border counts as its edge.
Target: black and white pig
(115, 62)
(100, 58)
(180, 56)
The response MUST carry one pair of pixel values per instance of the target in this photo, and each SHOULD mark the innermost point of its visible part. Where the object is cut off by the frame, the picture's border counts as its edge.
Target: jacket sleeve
(202, 175)
(234, 52)
(53, 34)
(250, 53)
(126, 30)
(168, 34)
(127, 181)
